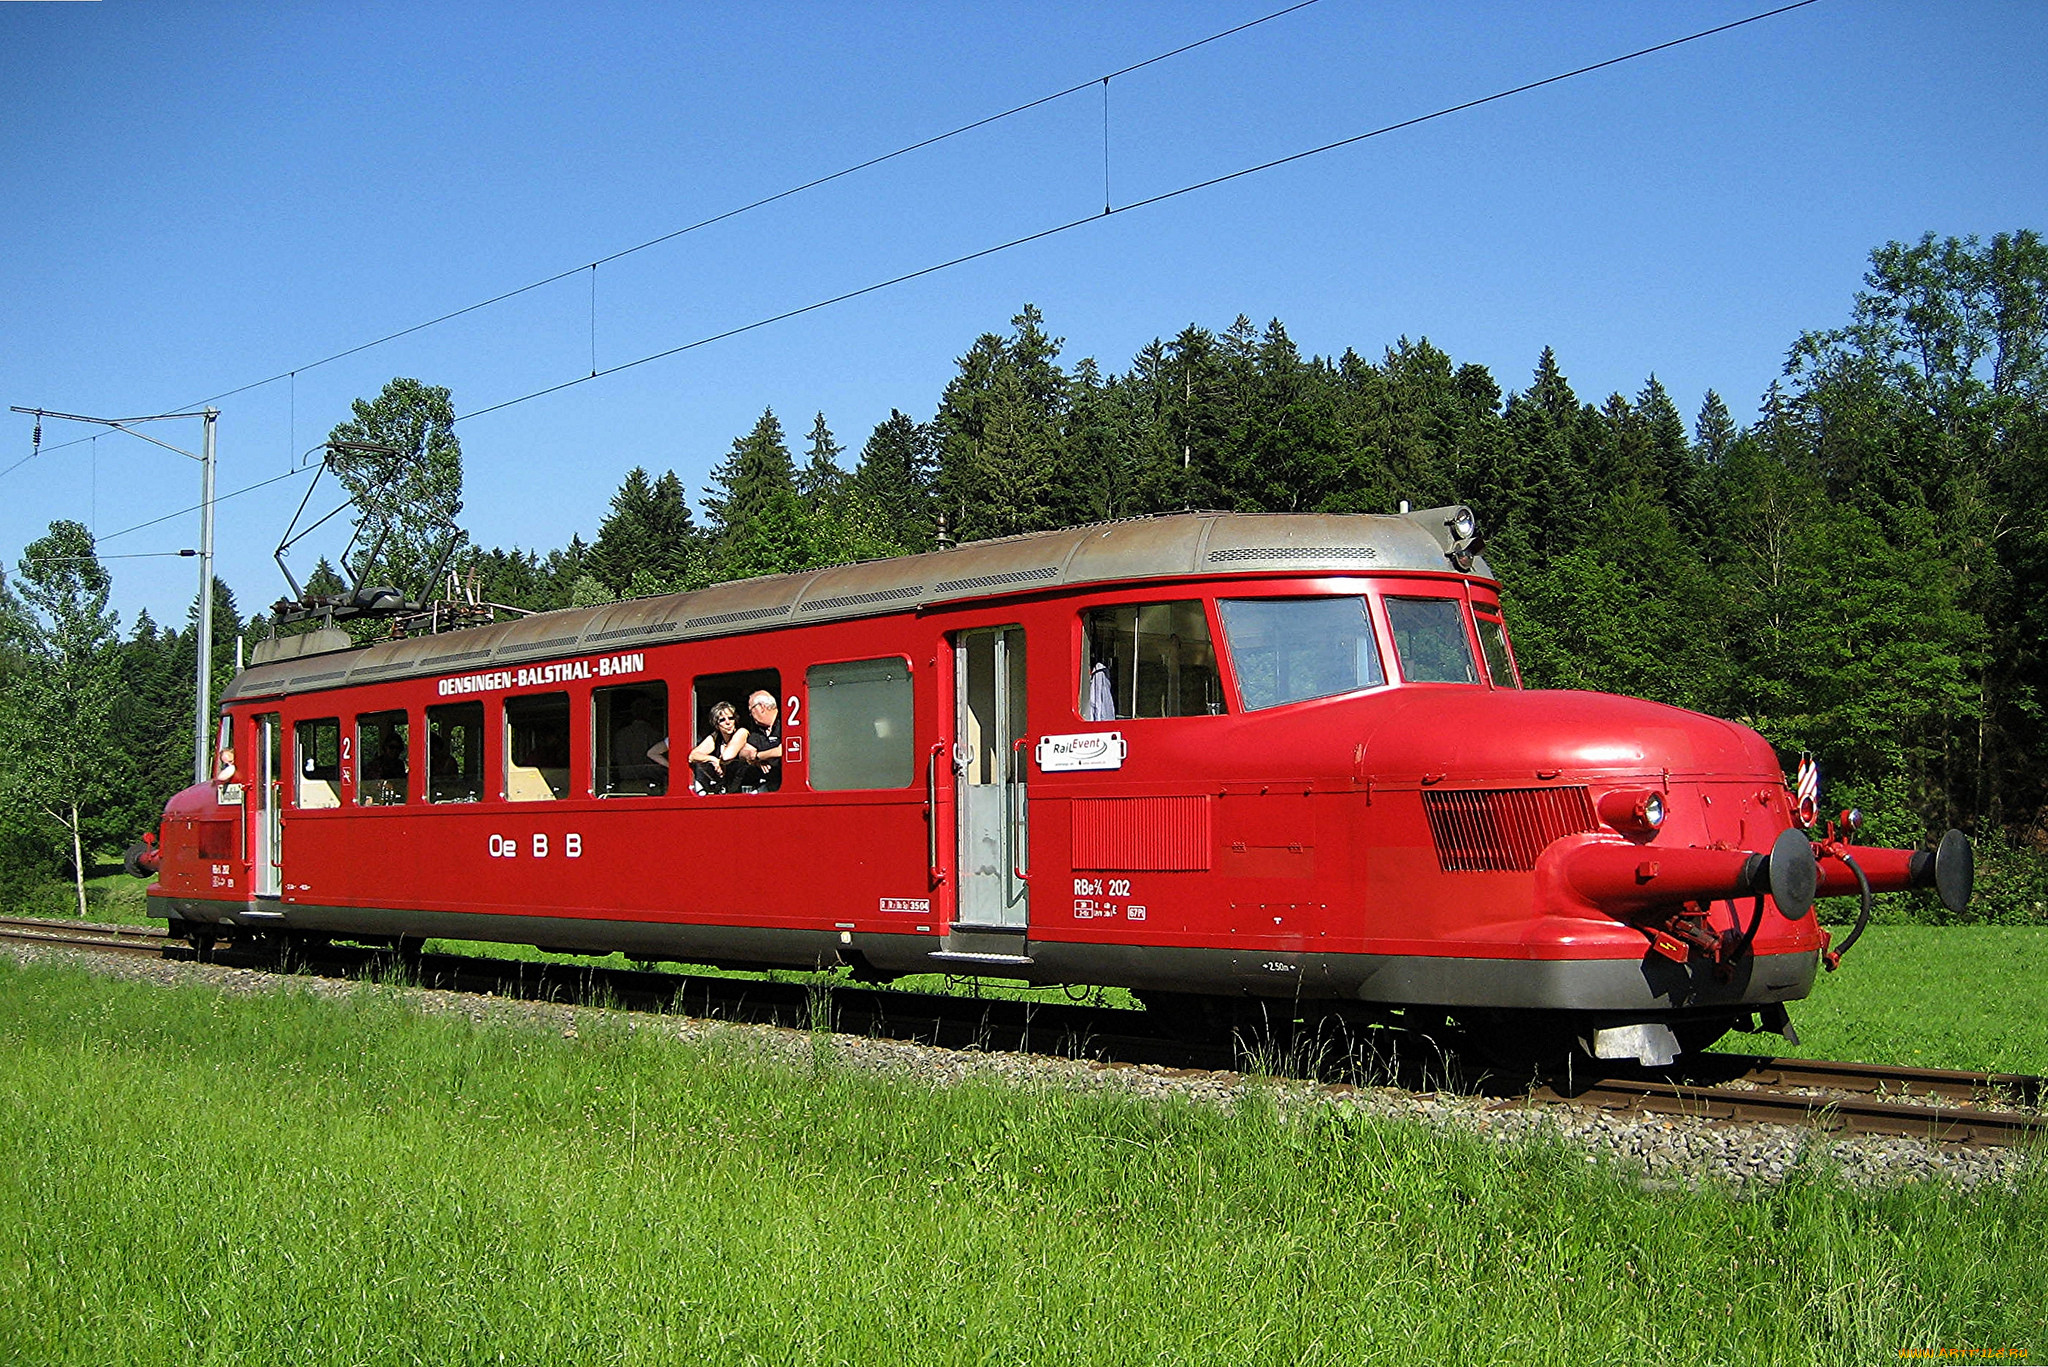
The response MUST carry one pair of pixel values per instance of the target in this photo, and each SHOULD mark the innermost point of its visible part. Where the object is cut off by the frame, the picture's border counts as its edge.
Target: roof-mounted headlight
(1462, 525)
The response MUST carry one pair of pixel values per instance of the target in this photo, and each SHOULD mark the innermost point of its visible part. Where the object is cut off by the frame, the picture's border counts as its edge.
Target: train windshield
(1429, 638)
(1493, 644)
(1289, 649)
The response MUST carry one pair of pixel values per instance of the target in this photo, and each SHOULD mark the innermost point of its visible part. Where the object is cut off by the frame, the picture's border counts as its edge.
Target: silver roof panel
(1173, 546)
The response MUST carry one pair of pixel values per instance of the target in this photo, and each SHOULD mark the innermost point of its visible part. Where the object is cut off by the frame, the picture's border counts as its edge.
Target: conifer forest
(1860, 573)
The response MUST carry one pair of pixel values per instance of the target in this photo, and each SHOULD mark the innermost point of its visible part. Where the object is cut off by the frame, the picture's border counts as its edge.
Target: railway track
(141, 940)
(1847, 1098)
(1844, 1098)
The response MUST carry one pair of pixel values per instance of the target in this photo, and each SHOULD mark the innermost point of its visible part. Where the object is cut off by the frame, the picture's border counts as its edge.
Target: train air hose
(1834, 956)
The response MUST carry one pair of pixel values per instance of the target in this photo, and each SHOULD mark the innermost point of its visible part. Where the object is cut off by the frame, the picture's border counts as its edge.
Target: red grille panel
(1503, 828)
(1143, 834)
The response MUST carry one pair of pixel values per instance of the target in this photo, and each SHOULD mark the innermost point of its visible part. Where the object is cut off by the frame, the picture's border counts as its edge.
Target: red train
(1209, 757)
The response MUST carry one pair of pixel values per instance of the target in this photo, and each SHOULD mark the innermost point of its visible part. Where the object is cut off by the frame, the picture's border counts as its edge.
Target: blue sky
(203, 195)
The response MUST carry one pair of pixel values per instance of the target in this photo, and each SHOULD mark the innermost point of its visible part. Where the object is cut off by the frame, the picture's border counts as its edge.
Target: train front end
(1635, 875)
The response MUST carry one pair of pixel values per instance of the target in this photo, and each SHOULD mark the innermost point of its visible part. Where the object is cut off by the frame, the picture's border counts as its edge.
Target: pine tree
(650, 537)
(822, 483)
(754, 474)
(894, 478)
(1713, 432)
(1000, 432)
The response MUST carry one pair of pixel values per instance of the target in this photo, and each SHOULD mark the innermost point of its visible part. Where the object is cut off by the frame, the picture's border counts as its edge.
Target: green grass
(1973, 997)
(193, 1176)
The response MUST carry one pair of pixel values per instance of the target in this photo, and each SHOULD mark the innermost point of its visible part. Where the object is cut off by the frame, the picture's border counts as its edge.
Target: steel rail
(1881, 1081)
(90, 927)
(104, 939)
(1765, 1103)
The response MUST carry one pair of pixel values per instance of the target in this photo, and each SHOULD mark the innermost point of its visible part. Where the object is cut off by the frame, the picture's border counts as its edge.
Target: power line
(134, 555)
(218, 499)
(1027, 238)
(763, 202)
(1137, 204)
(766, 200)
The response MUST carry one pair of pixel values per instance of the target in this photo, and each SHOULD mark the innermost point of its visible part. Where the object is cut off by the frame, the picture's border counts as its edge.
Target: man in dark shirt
(762, 753)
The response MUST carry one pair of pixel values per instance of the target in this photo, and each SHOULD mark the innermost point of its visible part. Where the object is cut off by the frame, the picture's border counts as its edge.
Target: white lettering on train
(526, 676)
(507, 846)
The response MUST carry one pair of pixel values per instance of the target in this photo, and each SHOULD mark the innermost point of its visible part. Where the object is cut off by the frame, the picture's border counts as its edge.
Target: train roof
(1169, 546)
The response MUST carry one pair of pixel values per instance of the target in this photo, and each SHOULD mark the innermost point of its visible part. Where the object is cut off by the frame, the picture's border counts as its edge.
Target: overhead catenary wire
(1109, 211)
(778, 196)
(218, 499)
(1028, 238)
(763, 202)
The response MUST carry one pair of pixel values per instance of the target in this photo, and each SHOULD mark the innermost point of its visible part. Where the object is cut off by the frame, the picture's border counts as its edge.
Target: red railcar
(1201, 756)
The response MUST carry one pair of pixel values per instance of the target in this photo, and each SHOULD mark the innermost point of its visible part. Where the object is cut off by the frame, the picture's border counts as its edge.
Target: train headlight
(1462, 525)
(1637, 811)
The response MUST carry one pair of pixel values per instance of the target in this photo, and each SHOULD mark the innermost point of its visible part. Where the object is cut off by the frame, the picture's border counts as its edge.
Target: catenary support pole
(204, 667)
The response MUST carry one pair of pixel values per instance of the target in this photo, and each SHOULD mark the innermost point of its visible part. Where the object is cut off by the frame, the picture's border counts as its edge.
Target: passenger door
(990, 766)
(266, 794)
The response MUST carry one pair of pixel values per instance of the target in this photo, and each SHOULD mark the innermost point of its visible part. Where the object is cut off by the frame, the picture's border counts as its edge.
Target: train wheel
(202, 942)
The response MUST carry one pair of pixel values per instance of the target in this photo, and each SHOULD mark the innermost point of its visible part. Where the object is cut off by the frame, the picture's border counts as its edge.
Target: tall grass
(195, 1176)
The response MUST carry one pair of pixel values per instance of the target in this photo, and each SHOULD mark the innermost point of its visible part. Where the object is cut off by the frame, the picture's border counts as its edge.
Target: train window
(713, 694)
(224, 754)
(537, 747)
(318, 772)
(1493, 644)
(383, 744)
(1430, 640)
(860, 725)
(455, 752)
(1288, 649)
(629, 722)
(1148, 660)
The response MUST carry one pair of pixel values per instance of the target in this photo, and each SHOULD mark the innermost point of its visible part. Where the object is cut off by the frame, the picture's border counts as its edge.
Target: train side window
(537, 747)
(383, 758)
(737, 691)
(1493, 644)
(317, 775)
(455, 752)
(1430, 640)
(629, 721)
(224, 770)
(1290, 649)
(1148, 660)
(860, 717)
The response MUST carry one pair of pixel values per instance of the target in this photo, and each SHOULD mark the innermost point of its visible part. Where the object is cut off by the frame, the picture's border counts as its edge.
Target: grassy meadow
(192, 1175)
(1972, 997)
